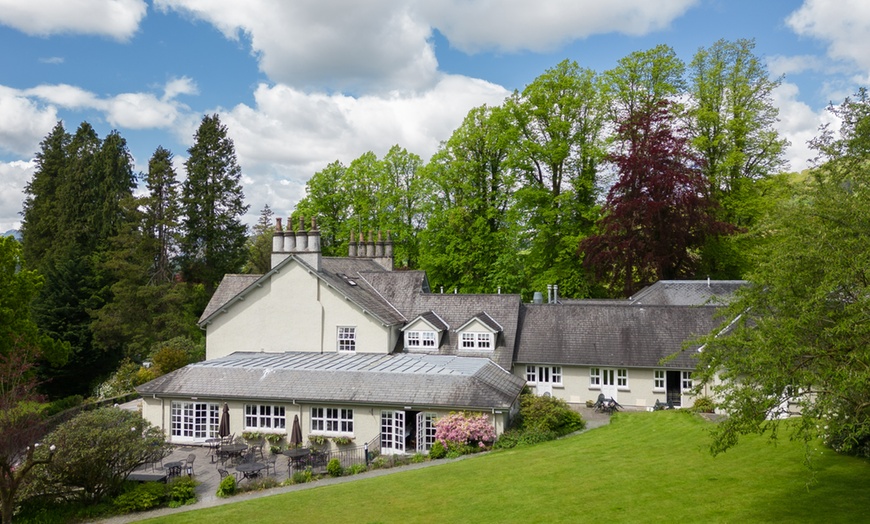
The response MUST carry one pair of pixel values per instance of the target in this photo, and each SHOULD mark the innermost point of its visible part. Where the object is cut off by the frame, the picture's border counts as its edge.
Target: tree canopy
(798, 337)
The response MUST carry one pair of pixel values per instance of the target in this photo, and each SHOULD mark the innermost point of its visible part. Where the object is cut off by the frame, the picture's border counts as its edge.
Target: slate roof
(401, 379)
(687, 292)
(346, 275)
(611, 335)
(456, 310)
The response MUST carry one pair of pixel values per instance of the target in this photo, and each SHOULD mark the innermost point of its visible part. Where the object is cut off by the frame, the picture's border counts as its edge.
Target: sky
(303, 83)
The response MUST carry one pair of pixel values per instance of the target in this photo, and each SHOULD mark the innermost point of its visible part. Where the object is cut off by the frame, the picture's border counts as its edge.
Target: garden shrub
(548, 415)
(227, 487)
(258, 484)
(437, 451)
(181, 491)
(333, 468)
(464, 432)
(301, 477)
(417, 458)
(704, 405)
(141, 497)
(356, 469)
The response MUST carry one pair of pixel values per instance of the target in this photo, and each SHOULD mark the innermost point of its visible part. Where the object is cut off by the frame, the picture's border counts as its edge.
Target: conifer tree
(213, 235)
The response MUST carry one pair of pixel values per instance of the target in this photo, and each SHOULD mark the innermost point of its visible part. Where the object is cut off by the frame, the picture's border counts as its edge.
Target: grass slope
(643, 467)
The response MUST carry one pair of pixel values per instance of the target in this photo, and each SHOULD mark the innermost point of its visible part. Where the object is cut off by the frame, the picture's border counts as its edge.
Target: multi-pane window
(194, 420)
(347, 339)
(418, 339)
(265, 417)
(659, 379)
(476, 341)
(608, 377)
(687, 380)
(544, 374)
(332, 420)
(622, 378)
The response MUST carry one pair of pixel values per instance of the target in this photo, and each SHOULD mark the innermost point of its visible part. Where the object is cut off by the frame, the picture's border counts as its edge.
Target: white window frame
(686, 381)
(193, 421)
(420, 339)
(609, 377)
(476, 340)
(622, 378)
(265, 416)
(544, 375)
(659, 380)
(332, 421)
(346, 339)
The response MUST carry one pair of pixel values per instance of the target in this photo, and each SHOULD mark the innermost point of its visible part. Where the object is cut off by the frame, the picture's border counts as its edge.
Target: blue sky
(302, 84)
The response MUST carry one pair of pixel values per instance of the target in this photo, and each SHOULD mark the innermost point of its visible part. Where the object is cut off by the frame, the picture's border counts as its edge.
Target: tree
(213, 238)
(471, 240)
(21, 346)
(259, 245)
(657, 214)
(559, 118)
(162, 214)
(98, 449)
(732, 117)
(798, 335)
(326, 199)
(39, 225)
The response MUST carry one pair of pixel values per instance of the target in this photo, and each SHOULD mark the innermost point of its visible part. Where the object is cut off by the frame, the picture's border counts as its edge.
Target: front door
(392, 432)
(608, 383)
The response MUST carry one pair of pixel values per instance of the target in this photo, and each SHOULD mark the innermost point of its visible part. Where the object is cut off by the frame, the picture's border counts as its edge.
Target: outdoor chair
(224, 474)
(256, 449)
(188, 464)
(270, 463)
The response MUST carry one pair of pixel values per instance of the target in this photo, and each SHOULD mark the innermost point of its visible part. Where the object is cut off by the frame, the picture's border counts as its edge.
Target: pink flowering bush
(464, 429)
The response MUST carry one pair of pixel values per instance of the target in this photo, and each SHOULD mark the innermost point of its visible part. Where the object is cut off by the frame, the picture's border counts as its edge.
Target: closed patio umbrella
(296, 433)
(224, 427)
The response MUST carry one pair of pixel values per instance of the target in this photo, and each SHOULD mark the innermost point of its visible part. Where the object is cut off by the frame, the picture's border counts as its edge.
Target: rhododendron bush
(465, 429)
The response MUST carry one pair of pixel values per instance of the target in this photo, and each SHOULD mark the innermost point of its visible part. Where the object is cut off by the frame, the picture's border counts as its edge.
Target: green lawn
(643, 467)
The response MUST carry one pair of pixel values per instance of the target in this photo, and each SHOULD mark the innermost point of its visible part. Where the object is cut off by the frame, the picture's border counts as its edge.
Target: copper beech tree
(659, 212)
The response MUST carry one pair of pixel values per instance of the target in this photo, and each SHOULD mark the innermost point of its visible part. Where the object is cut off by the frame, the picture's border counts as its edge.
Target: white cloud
(54, 60)
(23, 122)
(779, 65)
(179, 86)
(843, 24)
(518, 25)
(291, 134)
(13, 177)
(118, 19)
(798, 123)
(349, 46)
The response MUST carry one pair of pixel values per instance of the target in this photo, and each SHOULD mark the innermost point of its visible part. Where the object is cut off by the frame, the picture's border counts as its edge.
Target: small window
(428, 339)
(659, 380)
(531, 374)
(412, 339)
(347, 339)
(687, 380)
(595, 377)
(476, 341)
(622, 378)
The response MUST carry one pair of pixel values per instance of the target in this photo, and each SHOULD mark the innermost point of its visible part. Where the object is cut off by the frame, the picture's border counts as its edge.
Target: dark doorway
(673, 386)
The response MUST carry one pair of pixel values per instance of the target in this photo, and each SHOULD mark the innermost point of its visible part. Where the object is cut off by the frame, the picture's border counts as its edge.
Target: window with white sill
(544, 375)
(420, 339)
(265, 416)
(472, 340)
(599, 377)
(332, 421)
(346, 339)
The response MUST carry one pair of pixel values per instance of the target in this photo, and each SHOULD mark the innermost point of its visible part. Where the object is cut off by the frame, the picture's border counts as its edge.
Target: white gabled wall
(293, 310)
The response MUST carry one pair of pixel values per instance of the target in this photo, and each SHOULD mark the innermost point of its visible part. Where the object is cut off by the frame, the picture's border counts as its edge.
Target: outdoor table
(250, 470)
(296, 455)
(232, 450)
(141, 476)
(173, 469)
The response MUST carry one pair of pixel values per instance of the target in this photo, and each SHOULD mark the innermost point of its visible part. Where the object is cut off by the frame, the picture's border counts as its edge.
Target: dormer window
(420, 339)
(477, 341)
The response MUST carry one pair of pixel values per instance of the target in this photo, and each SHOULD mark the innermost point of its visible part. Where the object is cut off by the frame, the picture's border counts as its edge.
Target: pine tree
(213, 236)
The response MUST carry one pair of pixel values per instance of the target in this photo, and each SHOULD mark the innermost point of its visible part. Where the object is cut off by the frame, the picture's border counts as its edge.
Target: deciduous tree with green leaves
(798, 338)
(559, 118)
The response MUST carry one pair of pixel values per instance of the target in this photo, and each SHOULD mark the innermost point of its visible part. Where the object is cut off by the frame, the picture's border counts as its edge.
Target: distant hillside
(13, 233)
